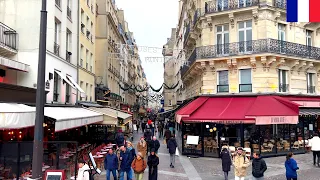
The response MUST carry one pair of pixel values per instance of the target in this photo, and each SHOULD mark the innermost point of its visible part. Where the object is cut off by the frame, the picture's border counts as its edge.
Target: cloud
(151, 22)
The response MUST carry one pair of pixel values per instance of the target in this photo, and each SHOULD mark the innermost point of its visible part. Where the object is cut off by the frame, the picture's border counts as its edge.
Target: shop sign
(230, 122)
(265, 120)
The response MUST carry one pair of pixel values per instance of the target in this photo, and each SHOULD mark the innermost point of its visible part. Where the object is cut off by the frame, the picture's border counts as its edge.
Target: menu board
(194, 140)
(54, 175)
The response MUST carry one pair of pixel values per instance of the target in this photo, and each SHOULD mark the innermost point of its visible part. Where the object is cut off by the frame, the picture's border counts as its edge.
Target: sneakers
(172, 166)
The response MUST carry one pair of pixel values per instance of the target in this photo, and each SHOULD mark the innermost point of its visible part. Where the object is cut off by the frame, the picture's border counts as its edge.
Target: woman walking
(139, 165)
(153, 162)
(142, 147)
(291, 167)
(226, 161)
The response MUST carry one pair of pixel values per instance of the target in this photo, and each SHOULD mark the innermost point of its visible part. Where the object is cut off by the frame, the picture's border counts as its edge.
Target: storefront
(267, 124)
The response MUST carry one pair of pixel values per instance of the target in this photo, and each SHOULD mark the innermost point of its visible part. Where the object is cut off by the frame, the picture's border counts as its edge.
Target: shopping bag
(164, 141)
(177, 152)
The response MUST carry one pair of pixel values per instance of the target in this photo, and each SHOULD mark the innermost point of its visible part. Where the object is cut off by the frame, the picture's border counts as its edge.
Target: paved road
(210, 168)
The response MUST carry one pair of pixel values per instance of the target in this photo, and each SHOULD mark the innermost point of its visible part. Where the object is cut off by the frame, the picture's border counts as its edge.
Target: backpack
(90, 174)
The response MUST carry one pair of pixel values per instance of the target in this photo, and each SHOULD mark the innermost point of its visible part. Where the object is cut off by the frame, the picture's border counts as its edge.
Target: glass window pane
(219, 38)
(241, 25)
(249, 35)
(284, 77)
(241, 36)
(223, 78)
(226, 38)
(219, 28)
(245, 76)
(248, 24)
(226, 27)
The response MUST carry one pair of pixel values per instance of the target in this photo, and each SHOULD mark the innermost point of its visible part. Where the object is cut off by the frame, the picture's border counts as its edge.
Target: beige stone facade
(247, 48)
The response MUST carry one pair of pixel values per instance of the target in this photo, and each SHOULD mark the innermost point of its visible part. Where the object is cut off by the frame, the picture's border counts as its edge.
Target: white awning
(75, 84)
(65, 79)
(123, 115)
(109, 117)
(70, 117)
(14, 64)
(16, 116)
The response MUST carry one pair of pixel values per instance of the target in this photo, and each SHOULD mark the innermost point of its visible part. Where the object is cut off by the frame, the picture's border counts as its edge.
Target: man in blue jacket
(126, 158)
(111, 164)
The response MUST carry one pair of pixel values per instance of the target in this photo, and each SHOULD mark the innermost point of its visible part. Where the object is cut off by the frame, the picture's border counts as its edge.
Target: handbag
(164, 141)
(177, 151)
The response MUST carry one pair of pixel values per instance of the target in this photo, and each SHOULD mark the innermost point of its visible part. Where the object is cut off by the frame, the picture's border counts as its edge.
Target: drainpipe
(78, 48)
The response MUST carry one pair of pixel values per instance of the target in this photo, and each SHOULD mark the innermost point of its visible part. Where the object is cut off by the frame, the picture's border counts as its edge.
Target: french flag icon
(303, 10)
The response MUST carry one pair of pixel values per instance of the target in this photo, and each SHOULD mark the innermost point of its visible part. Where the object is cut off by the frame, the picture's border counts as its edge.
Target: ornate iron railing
(8, 36)
(280, 4)
(186, 34)
(311, 89)
(226, 5)
(283, 87)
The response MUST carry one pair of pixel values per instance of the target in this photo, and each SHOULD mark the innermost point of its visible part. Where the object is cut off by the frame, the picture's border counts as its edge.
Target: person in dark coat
(126, 159)
(167, 134)
(226, 161)
(153, 162)
(111, 165)
(172, 146)
(259, 166)
(154, 144)
(120, 138)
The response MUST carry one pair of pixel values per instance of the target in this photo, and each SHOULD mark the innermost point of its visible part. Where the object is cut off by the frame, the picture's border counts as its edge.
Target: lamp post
(37, 157)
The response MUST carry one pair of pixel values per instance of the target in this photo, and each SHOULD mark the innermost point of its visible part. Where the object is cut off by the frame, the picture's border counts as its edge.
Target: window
(245, 80)
(282, 37)
(283, 81)
(223, 81)
(56, 87)
(56, 46)
(91, 90)
(245, 36)
(68, 89)
(87, 59)
(245, 3)
(222, 35)
(87, 91)
(91, 29)
(311, 88)
(309, 38)
(69, 9)
(81, 55)
(68, 46)
(81, 85)
(58, 3)
(91, 60)
(88, 26)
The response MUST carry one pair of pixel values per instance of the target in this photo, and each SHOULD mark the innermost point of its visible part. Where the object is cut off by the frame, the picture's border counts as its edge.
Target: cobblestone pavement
(210, 168)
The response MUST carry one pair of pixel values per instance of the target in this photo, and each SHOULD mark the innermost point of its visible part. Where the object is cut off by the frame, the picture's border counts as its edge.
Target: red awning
(307, 102)
(233, 110)
(190, 108)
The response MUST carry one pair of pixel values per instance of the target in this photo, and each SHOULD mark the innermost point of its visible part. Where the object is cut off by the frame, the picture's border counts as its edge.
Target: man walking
(111, 164)
(172, 146)
(315, 148)
(241, 164)
(126, 159)
(160, 129)
(154, 144)
(259, 166)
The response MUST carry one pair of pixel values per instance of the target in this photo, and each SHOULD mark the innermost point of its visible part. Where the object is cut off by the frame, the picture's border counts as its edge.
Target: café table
(95, 156)
(103, 153)
(104, 150)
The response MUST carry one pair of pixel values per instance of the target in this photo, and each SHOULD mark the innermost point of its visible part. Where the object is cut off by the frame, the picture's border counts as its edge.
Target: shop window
(283, 80)
(193, 129)
(210, 140)
(223, 81)
(245, 80)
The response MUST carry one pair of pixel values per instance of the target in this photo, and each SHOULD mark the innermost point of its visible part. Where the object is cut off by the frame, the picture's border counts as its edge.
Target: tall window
(56, 87)
(245, 3)
(310, 83)
(91, 60)
(87, 91)
(69, 8)
(81, 55)
(222, 36)
(68, 45)
(245, 80)
(91, 90)
(68, 89)
(87, 59)
(309, 38)
(245, 36)
(56, 45)
(81, 85)
(223, 81)
(91, 30)
(283, 80)
(282, 37)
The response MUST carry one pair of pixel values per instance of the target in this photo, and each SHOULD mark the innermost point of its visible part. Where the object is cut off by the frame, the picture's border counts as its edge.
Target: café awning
(16, 116)
(109, 117)
(72, 117)
(309, 112)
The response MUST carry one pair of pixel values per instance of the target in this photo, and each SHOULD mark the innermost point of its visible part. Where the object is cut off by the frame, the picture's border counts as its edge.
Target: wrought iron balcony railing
(191, 59)
(311, 89)
(280, 4)
(69, 12)
(245, 87)
(186, 34)
(223, 88)
(283, 87)
(56, 49)
(8, 36)
(226, 5)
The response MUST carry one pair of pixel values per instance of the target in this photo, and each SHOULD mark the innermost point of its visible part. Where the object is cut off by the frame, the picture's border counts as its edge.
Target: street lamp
(37, 157)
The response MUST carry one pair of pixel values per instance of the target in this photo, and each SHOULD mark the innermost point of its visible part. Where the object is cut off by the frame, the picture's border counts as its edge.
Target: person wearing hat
(153, 162)
(241, 164)
(84, 170)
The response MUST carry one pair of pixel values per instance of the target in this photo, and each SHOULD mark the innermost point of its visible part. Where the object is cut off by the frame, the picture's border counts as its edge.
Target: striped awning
(309, 112)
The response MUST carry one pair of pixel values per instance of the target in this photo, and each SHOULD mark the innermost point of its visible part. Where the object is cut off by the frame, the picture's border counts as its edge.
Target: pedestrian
(154, 144)
(84, 170)
(160, 130)
(142, 147)
(131, 150)
(315, 148)
(138, 125)
(120, 138)
(172, 146)
(125, 166)
(153, 162)
(259, 166)
(167, 134)
(139, 165)
(143, 126)
(111, 165)
(226, 161)
(241, 164)
(291, 167)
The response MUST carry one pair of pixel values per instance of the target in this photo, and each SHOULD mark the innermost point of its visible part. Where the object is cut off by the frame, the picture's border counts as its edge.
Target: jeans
(239, 178)
(129, 174)
(315, 155)
(226, 175)
(172, 159)
(292, 178)
(261, 178)
(114, 174)
(139, 176)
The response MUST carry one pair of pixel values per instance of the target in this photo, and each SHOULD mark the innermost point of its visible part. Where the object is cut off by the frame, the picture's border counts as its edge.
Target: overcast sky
(151, 22)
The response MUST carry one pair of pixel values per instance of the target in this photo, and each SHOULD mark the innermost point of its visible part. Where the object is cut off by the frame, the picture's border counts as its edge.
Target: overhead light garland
(138, 88)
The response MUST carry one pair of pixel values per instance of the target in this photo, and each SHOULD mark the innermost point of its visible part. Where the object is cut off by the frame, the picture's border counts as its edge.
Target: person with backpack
(139, 165)
(291, 167)
(172, 147)
(111, 165)
(259, 166)
(241, 164)
(84, 172)
(226, 161)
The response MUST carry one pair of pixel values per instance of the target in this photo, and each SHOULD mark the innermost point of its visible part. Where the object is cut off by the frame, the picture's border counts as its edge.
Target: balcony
(69, 12)
(227, 5)
(8, 38)
(223, 88)
(186, 34)
(245, 87)
(283, 87)
(56, 49)
(311, 89)
(58, 3)
(282, 4)
(68, 56)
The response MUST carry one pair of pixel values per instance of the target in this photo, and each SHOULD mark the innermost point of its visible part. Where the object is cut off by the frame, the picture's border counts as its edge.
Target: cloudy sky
(151, 22)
